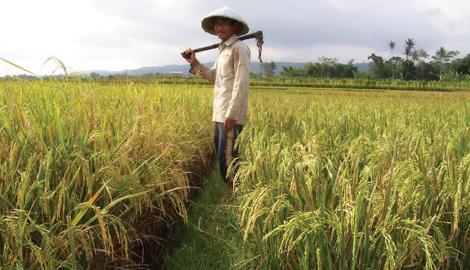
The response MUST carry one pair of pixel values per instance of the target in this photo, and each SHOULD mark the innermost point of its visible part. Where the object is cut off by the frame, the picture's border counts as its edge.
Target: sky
(124, 34)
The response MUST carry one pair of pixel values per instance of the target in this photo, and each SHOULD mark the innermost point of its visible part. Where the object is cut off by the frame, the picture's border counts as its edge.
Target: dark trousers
(225, 149)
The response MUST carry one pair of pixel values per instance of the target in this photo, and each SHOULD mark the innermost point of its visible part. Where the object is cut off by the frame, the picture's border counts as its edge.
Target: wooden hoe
(258, 35)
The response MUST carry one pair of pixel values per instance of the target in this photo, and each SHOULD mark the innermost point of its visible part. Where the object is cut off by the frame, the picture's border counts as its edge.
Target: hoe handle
(257, 35)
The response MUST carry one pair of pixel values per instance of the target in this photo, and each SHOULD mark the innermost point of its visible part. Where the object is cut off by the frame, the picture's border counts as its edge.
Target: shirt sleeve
(239, 100)
(199, 69)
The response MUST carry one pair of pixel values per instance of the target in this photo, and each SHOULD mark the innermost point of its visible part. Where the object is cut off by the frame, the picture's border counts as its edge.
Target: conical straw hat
(208, 22)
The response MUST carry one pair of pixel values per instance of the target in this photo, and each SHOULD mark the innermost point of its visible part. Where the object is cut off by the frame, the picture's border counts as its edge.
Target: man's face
(224, 28)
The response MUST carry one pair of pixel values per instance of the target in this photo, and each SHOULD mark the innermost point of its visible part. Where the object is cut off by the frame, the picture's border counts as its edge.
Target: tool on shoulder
(258, 35)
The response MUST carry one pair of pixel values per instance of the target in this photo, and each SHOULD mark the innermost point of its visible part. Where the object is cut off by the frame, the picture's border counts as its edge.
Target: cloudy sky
(125, 34)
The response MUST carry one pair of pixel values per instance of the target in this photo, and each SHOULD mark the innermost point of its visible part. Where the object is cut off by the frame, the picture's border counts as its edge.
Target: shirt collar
(229, 41)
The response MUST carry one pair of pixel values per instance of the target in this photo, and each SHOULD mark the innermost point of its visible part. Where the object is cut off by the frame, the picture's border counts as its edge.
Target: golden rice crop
(337, 180)
(91, 170)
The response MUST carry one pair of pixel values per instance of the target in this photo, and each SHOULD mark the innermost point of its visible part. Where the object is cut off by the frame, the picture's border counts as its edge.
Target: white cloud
(123, 34)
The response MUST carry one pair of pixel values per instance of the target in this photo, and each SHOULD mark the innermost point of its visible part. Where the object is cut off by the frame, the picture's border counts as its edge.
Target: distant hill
(167, 69)
(362, 67)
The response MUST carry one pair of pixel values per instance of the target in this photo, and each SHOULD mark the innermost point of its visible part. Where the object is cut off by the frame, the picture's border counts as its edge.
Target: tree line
(413, 64)
(324, 68)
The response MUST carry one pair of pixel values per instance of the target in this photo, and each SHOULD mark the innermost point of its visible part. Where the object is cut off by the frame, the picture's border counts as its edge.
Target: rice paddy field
(95, 175)
(357, 181)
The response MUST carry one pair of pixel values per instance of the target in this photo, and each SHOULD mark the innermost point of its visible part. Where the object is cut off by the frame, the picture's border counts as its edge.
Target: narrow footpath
(211, 239)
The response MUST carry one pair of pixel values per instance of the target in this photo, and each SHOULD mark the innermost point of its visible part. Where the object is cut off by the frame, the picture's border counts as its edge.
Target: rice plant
(91, 173)
(335, 180)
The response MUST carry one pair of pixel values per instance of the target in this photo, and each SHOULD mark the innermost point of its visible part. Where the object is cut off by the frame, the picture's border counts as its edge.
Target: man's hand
(192, 59)
(229, 124)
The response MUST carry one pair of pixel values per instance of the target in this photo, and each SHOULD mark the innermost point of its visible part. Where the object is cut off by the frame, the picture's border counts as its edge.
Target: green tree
(378, 68)
(409, 47)
(95, 75)
(324, 68)
(419, 55)
(391, 45)
(408, 70)
(268, 69)
(292, 72)
(427, 71)
(461, 66)
(395, 63)
(443, 57)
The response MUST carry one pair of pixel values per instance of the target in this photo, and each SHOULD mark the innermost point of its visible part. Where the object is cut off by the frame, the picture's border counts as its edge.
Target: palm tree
(417, 55)
(391, 45)
(440, 55)
(443, 56)
(409, 46)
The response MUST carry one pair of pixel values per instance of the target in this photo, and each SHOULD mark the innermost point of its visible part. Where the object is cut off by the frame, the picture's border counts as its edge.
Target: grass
(210, 239)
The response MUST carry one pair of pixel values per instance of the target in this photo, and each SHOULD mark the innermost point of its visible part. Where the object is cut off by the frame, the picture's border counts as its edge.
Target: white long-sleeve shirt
(231, 75)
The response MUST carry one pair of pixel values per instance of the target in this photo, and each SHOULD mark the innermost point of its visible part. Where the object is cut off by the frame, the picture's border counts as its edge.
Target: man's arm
(198, 68)
(241, 62)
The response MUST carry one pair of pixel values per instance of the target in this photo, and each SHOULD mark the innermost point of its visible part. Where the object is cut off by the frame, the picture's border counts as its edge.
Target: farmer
(230, 74)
